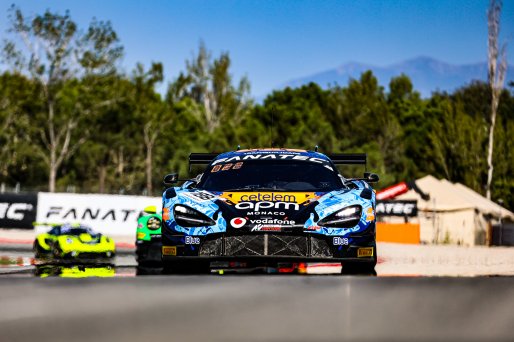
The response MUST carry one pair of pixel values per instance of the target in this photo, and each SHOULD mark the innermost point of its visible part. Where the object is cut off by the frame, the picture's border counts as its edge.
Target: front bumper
(268, 247)
(87, 255)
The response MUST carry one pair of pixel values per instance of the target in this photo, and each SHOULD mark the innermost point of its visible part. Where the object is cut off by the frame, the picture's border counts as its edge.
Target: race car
(73, 242)
(148, 237)
(269, 206)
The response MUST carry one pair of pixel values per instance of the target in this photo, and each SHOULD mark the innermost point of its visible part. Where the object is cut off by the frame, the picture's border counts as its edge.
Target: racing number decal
(229, 166)
(200, 195)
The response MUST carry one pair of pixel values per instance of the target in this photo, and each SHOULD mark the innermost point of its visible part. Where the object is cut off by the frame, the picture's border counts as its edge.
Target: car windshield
(76, 231)
(270, 175)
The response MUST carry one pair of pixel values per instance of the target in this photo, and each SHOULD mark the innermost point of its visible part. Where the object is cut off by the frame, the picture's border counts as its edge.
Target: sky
(273, 42)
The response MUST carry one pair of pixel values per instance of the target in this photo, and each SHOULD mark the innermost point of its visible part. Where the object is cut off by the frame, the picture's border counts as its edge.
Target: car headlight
(189, 217)
(153, 223)
(344, 218)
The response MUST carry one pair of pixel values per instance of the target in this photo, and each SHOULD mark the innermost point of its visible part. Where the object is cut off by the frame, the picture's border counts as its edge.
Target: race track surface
(257, 308)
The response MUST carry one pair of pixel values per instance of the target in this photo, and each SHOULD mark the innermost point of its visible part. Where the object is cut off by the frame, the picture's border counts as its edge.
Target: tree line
(69, 117)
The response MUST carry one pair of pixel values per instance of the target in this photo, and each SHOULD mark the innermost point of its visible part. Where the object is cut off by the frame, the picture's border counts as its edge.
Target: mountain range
(427, 75)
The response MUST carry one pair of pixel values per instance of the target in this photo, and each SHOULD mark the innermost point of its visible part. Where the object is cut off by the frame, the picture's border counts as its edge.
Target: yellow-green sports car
(73, 241)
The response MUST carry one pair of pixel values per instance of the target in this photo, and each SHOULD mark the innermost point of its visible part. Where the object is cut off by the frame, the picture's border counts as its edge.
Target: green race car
(73, 242)
(148, 237)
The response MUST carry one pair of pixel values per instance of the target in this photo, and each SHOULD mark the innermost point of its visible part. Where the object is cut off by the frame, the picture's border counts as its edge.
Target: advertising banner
(18, 210)
(392, 191)
(107, 214)
(397, 208)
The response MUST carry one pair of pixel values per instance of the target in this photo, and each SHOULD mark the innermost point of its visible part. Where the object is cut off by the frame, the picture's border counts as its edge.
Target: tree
(152, 111)
(295, 118)
(15, 98)
(497, 63)
(55, 54)
(209, 83)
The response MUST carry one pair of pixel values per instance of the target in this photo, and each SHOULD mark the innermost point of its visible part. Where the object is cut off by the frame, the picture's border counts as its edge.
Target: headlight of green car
(149, 225)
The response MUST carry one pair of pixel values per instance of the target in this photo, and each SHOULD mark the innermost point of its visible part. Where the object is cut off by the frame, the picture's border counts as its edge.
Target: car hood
(241, 212)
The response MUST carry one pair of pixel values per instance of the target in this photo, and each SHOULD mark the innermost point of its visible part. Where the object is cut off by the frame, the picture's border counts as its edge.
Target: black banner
(397, 208)
(18, 210)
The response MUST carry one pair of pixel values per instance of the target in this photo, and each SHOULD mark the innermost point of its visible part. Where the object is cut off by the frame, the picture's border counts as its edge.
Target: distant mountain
(427, 74)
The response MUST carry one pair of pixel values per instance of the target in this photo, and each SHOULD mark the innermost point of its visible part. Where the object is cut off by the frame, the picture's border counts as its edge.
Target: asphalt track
(256, 308)
(252, 307)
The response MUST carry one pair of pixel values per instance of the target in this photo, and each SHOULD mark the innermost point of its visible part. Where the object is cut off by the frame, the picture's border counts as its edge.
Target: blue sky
(273, 42)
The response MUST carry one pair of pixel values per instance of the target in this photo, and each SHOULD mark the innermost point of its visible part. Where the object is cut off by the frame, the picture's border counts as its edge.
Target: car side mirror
(170, 179)
(371, 177)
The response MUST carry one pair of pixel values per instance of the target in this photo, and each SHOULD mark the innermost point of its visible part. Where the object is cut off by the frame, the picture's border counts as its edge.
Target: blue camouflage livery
(293, 202)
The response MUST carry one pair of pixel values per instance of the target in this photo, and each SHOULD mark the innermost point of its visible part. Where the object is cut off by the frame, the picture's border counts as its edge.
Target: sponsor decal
(278, 150)
(365, 252)
(262, 213)
(370, 215)
(313, 228)
(273, 222)
(226, 167)
(257, 206)
(289, 197)
(268, 197)
(339, 241)
(166, 214)
(263, 228)
(169, 250)
(192, 240)
(141, 235)
(273, 156)
(237, 222)
(397, 208)
(200, 196)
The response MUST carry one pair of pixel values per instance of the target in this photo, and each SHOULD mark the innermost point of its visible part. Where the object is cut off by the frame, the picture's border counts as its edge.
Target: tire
(186, 267)
(57, 252)
(38, 251)
(359, 268)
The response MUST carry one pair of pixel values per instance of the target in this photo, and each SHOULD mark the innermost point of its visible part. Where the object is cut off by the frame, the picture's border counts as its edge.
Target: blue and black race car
(269, 206)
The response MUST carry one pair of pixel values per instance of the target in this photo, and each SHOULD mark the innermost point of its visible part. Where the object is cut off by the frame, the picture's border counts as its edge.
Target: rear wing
(201, 159)
(338, 158)
(349, 159)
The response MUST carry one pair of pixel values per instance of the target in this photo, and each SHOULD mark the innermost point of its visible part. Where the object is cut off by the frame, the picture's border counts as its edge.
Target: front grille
(266, 245)
(90, 255)
(320, 248)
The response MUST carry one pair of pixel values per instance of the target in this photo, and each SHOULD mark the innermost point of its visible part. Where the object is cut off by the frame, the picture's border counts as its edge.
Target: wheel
(57, 252)
(186, 267)
(38, 251)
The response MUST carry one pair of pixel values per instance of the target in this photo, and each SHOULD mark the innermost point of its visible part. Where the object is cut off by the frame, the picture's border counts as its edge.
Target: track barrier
(398, 232)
